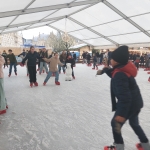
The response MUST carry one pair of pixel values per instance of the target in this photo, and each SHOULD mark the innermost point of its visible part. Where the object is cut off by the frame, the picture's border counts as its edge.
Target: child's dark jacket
(125, 89)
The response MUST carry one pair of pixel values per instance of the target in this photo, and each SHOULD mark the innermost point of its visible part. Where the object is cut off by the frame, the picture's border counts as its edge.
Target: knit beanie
(121, 55)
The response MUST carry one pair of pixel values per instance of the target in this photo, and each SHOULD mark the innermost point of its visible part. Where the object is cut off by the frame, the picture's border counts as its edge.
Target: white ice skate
(68, 72)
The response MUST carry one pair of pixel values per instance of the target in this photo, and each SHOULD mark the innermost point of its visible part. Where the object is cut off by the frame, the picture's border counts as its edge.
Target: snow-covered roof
(78, 46)
(95, 22)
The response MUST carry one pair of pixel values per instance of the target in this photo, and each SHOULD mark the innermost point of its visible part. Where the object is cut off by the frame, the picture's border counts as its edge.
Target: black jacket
(31, 58)
(43, 55)
(125, 89)
(97, 54)
(88, 57)
(74, 56)
(71, 61)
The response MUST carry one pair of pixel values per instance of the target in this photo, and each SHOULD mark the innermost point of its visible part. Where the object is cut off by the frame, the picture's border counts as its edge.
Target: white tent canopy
(95, 22)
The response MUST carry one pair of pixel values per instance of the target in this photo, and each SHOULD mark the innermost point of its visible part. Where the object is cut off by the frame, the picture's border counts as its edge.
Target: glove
(100, 72)
(21, 64)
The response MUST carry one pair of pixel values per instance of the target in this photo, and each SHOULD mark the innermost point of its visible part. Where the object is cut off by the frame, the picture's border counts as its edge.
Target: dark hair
(31, 47)
(55, 53)
(9, 50)
(23, 50)
(4, 51)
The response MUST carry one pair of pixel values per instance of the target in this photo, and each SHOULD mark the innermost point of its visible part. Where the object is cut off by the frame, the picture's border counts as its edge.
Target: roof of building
(94, 22)
(78, 46)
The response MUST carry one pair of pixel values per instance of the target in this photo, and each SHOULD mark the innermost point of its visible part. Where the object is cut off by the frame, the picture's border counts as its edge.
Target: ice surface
(73, 116)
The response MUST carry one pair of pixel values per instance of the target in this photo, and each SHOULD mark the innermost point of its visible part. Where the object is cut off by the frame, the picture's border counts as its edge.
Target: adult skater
(142, 60)
(62, 59)
(97, 57)
(84, 57)
(13, 62)
(137, 61)
(32, 56)
(44, 54)
(72, 62)
(95, 62)
(4, 54)
(88, 59)
(74, 57)
(3, 103)
(54, 61)
(130, 102)
(23, 54)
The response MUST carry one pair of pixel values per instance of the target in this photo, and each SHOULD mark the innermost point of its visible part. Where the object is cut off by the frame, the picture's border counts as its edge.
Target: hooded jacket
(125, 89)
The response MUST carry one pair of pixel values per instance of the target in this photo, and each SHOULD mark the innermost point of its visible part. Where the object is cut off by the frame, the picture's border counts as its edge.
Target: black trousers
(32, 74)
(6, 63)
(134, 123)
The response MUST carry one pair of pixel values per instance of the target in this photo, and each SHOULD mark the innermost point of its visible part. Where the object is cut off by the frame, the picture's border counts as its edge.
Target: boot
(145, 146)
(31, 84)
(36, 84)
(44, 83)
(119, 146)
(57, 83)
(2, 112)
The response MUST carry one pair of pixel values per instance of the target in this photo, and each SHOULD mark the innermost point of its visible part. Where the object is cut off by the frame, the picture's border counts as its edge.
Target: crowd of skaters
(123, 86)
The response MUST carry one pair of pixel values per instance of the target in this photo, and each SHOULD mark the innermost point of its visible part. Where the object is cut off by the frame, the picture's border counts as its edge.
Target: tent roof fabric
(95, 22)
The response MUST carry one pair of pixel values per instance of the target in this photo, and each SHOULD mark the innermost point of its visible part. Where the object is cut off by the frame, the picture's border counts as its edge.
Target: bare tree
(60, 41)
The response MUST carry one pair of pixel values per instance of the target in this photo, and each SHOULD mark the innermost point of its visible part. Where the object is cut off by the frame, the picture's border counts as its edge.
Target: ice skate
(2, 112)
(57, 83)
(38, 69)
(143, 146)
(93, 68)
(27, 75)
(36, 84)
(16, 73)
(44, 83)
(31, 85)
(148, 73)
(149, 79)
(73, 77)
(9, 75)
(109, 148)
(96, 68)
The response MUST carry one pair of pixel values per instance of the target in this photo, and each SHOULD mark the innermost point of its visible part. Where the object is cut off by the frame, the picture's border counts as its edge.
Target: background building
(11, 40)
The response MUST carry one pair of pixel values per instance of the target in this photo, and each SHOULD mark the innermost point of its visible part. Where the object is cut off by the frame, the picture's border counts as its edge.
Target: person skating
(44, 54)
(23, 54)
(95, 62)
(142, 60)
(88, 59)
(126, 90)
(137, 61)
(74, 57)
(54, 61)
(13, 62)
(3, 103)
(84, 57)
(4, 54)
(62, 59)
(72, 62)
(32, 57)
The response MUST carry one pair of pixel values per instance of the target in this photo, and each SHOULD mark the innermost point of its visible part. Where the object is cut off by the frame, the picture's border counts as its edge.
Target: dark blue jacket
(31, 58)
(23, 54)
(94, 59)
(125, 89)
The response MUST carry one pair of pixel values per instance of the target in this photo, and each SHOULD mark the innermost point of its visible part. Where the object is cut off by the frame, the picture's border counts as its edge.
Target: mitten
(100, 72)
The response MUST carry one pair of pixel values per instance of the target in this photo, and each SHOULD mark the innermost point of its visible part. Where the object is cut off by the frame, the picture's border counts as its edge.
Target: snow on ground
(73, 116)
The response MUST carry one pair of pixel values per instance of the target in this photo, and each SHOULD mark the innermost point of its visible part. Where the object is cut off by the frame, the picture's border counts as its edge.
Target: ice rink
(73, 116)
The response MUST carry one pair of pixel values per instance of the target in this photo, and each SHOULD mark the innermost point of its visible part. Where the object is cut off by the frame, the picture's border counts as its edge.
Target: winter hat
(121, 55)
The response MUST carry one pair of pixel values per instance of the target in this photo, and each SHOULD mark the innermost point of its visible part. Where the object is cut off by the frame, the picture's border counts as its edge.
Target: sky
(28, 34)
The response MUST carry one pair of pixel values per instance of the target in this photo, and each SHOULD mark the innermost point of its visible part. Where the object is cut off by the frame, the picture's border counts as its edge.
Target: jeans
(84, 60)
(98, 60)
(101, 60)
(62, 67)
(32, 74)
(50, 74)
(43, 64)
(15, 68)
(94, 64)
(134, 123)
